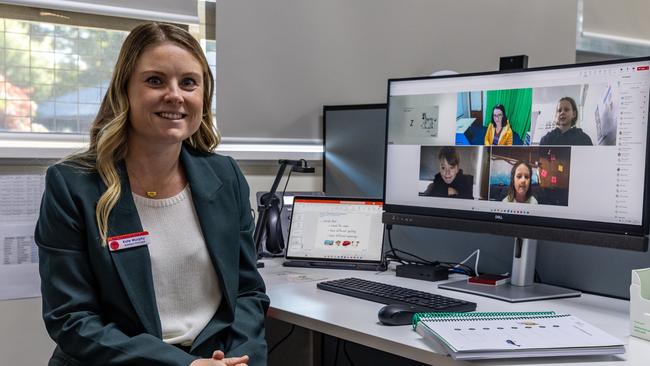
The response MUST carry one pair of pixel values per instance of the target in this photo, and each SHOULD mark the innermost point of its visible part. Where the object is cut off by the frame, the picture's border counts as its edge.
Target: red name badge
(126, 241)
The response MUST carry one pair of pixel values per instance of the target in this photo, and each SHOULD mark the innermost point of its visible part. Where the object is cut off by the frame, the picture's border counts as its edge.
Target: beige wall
(260, 177)
(280, 61)
(23, 340)
(615, 18)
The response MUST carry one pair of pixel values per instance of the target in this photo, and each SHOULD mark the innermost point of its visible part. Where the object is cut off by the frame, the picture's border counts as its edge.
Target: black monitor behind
(353, 150)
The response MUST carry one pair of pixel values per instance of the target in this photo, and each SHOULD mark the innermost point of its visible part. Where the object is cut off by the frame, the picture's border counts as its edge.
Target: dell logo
(498, 217)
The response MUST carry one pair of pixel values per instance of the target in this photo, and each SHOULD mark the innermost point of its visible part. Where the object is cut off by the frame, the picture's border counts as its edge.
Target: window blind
(184, 12)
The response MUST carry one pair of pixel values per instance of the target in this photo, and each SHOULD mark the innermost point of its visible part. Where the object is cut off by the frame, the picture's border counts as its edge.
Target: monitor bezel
(545, 224)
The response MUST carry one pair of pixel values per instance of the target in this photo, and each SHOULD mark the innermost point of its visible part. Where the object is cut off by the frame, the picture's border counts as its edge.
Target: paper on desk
(18, 261)
(300, 277)
(293, 277)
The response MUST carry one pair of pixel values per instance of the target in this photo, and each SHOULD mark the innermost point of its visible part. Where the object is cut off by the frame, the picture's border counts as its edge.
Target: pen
(509, 341)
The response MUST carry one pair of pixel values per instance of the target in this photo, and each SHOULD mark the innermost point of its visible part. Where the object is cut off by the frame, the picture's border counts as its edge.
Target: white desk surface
(296, 300)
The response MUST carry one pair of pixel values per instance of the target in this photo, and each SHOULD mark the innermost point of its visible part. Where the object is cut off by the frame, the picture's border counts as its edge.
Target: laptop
(336, 232)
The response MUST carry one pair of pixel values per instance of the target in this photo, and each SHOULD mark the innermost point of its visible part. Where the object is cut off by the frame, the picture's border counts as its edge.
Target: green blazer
(99, 306)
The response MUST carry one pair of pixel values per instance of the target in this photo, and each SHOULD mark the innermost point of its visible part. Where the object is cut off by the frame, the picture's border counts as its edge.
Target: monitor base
(510, 293)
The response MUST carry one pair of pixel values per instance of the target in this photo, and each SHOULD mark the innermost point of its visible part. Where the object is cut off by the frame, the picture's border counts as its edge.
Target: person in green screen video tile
(499, 131)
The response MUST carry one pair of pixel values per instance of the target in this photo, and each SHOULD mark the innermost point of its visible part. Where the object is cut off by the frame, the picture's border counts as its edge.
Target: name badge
(126, 241)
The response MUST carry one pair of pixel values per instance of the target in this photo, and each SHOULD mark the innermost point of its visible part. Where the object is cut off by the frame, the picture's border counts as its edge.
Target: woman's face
(165, 95)
(564, 115)
(448, 171)
(497, 116)
(521, 180)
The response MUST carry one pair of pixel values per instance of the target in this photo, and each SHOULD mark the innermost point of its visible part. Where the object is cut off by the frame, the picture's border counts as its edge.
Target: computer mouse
(399, 314)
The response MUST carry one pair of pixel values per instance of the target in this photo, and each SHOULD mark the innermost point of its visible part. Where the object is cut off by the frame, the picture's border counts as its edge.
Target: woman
(450, 181)
(145, 244)
(499, 131)
(566, 116)
(519, 189)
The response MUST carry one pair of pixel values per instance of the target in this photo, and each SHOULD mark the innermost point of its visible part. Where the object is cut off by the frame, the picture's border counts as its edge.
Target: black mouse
(399, 314)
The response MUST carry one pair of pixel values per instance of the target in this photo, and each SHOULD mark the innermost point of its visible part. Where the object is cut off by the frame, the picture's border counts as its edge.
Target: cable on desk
(393, 256)
(389, 227)
(478, 254)
(347, 355)
(293, 326)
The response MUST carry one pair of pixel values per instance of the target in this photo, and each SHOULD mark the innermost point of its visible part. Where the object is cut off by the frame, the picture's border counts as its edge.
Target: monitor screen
(354, 166)
(557, 147)
(331, 228)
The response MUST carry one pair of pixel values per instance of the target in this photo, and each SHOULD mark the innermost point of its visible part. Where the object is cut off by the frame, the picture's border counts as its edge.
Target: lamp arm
(278, 177)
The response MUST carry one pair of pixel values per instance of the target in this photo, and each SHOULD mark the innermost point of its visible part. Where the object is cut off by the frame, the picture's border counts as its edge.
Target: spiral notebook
(474, 336)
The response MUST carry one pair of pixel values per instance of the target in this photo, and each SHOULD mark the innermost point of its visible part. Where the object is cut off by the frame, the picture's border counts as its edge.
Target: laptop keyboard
(389, 294)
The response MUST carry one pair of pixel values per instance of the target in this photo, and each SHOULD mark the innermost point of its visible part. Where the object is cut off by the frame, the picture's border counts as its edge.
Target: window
(55, 66)
(53, 76)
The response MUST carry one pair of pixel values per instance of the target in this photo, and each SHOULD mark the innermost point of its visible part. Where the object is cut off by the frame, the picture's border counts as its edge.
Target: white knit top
(186, 286)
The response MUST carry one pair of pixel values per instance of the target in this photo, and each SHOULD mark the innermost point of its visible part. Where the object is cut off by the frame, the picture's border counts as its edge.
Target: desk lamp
(268, 221)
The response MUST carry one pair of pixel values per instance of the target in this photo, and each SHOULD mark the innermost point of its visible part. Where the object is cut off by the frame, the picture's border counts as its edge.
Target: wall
(280, 61)
(260, 176)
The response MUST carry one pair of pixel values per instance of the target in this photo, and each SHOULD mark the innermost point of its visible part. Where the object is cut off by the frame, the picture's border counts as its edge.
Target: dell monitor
(354, 137)
(555, 153)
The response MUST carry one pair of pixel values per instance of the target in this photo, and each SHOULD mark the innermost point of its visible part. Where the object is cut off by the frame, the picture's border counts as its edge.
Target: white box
(640, 303)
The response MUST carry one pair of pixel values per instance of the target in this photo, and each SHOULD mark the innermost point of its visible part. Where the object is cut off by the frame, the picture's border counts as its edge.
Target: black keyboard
(388, 294)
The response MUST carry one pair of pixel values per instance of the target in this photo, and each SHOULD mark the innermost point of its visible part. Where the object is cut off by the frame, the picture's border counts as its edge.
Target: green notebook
(475, 336)
(477, 315)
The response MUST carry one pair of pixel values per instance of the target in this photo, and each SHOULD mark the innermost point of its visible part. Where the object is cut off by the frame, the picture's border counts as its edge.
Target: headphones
(272, 230)
(269, 226)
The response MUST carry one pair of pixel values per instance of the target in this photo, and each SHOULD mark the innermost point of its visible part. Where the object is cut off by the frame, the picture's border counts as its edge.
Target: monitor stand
(522, 286)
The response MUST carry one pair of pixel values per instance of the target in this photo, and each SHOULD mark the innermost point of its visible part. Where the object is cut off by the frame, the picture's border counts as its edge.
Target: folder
(640, 303)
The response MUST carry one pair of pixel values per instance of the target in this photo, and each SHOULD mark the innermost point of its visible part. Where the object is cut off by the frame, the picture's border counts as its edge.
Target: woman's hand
(218, 359)
(206, 362)
(230, 361)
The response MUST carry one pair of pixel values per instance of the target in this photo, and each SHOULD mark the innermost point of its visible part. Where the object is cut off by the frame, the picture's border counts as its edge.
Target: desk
(296, 300)
(462, 124)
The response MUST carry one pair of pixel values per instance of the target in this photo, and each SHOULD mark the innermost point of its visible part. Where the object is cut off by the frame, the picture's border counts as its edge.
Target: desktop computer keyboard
(388, 294)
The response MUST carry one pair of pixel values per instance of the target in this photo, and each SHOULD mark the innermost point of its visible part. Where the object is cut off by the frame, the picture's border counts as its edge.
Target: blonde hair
(108, 132)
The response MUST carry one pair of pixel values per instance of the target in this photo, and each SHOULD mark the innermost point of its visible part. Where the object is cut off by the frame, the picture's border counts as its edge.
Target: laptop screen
(336, 229)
